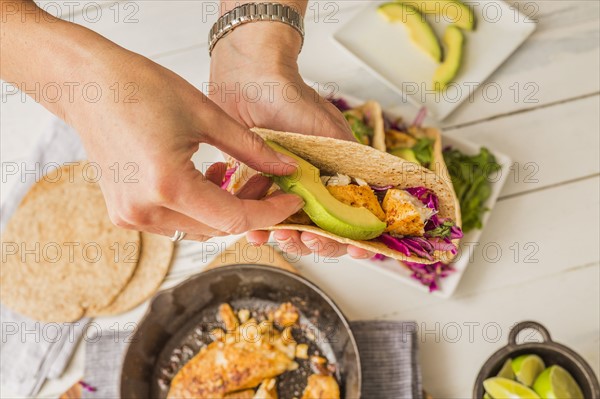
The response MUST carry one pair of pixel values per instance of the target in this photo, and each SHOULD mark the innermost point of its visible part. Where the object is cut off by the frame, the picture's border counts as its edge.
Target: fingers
(258, 237)
(255, 188)
(200, 199)
(289, 241)
(247, 147)
(216, 173)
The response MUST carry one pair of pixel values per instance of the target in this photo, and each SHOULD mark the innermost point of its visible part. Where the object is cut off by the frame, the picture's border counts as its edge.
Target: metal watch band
(254, 12)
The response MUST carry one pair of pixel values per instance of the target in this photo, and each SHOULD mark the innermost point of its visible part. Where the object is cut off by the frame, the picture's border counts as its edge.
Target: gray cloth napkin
(388, 353)
(30, 351)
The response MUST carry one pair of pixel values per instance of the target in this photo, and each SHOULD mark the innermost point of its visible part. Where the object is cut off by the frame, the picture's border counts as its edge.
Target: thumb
(248, 148)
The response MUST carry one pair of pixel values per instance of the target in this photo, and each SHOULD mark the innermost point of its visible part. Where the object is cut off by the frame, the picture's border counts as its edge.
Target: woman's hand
(136, 116)
(255, 78)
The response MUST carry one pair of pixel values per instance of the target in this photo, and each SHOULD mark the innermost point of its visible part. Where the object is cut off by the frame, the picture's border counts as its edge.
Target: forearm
(52, 60)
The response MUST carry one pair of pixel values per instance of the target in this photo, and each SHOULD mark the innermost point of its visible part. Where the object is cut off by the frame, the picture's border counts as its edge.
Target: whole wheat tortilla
(154, 263)
(375, 113)
(375, 167)
(64, 220)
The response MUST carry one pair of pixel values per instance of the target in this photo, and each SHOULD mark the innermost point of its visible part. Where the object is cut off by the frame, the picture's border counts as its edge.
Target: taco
(357, 195)
(367, 124)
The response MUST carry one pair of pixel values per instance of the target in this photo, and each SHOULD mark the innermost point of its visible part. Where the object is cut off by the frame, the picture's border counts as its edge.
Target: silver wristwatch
(253, 12)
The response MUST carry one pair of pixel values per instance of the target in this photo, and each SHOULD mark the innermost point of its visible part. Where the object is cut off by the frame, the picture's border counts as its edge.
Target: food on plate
(527, 377)
(153, 265)
(245, 361)
(452, 11)
(354, 216)
(421, 32)
(471, 178)
(366, 124)
(64, 207)
(332, 215)
(321, 387)
(447, 70)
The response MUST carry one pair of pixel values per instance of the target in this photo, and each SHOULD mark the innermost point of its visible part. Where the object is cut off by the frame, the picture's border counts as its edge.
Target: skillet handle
(526, 325)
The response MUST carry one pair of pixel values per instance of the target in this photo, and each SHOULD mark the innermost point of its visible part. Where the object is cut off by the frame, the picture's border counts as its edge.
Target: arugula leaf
(470, 178)
(423, 150)
(362, 132)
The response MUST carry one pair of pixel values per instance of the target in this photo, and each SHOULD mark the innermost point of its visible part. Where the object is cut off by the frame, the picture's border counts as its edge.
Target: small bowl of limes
(535, 370)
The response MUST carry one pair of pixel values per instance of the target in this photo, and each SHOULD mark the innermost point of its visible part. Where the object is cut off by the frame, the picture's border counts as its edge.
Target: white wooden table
(551, 130)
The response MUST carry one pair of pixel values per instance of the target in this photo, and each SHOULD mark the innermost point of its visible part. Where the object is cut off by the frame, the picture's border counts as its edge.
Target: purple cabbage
(339, 103)
(429, 275)
(420, 117)
(379, 257)
(394, 243)
(228, 174)
(426, 196)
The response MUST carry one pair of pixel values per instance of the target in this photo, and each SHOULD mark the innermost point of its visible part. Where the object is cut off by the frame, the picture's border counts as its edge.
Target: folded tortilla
(375, 167)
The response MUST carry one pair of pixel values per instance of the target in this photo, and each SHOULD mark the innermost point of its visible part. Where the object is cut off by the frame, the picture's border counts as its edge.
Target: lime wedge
(556, 383)
(501, 388)
(527, 368)
(506, 371)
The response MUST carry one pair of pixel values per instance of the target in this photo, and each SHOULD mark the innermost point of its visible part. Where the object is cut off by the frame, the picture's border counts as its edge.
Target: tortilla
(376, 167)
(154, 263)
(374, 114)
(73, 267)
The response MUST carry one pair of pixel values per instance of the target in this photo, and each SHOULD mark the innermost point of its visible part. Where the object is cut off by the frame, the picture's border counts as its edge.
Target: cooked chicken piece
(286, 315)
(321, 387)
(228, 317)
(358, 196)
(224, 368)
(404, 214)
(245, 394)
(243, 315)
(267, 390)
(396, 139)
(302, 351)
(299, 217)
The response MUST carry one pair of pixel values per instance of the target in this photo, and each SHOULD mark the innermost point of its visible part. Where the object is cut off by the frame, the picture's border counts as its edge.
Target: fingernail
(314, 243)
(363, 256)
(300, 205)
(288, 161)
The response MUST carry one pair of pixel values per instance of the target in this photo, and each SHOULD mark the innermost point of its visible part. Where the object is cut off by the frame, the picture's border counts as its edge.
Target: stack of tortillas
(63, 259)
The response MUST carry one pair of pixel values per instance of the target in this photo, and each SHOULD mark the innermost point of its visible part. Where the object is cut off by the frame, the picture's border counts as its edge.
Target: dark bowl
(551, 352)
(178, 320)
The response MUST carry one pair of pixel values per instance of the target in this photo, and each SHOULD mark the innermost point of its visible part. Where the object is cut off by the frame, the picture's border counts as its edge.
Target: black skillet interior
(179, 320)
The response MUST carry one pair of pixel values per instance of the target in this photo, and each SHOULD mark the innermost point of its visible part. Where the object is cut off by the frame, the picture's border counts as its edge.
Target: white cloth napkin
(30, 351)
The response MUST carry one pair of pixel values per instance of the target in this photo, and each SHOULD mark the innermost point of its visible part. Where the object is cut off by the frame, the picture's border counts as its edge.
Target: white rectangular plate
(387, 51)
(447, 285)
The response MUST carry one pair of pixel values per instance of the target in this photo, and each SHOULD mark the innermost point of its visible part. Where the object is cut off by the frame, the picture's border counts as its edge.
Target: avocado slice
(453, 11)
(420, 31)
(405, 153)
(453, 40)
(323, 209)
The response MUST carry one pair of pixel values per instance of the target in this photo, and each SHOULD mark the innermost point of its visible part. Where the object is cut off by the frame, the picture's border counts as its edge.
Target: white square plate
(447, 285)
(386, 50)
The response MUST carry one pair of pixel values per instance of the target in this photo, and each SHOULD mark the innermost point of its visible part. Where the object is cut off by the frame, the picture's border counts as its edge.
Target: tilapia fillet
(224, 368)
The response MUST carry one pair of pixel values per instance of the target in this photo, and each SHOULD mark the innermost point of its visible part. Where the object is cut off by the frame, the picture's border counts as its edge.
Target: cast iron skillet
(178, 322)
(551, 352)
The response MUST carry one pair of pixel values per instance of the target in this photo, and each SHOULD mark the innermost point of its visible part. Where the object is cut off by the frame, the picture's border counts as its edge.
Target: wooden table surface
(551, 200)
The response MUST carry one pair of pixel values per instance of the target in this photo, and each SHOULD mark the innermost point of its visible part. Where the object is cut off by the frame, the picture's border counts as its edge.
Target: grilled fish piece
(321, 387)
(358, 196)
(405, 215)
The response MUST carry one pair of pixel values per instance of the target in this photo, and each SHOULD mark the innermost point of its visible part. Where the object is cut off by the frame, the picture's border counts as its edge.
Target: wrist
(263, 47)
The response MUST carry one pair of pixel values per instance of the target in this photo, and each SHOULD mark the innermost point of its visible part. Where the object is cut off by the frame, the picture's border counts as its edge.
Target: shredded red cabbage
(340, 103)
(394, 243)
(429, 275)
(426, 196)
(227, 179)
(379, 257)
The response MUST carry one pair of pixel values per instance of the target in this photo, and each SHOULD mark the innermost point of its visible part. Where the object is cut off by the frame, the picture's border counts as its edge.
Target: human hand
(255, 79)
(157, 132)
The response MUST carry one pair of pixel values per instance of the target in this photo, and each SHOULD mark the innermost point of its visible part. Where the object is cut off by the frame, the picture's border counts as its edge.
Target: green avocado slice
(420, 31)
(323, 209)
(445, 73)
(405, 153)
(453, 11)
